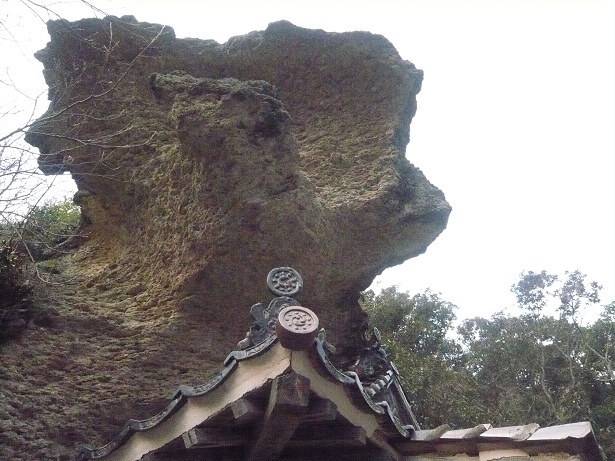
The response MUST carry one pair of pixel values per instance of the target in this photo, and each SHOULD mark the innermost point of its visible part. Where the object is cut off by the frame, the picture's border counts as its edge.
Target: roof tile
(516, 433)
(565, 431)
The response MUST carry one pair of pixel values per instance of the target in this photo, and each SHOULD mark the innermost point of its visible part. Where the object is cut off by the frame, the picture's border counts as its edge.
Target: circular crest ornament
(296, 328)
(284, 281)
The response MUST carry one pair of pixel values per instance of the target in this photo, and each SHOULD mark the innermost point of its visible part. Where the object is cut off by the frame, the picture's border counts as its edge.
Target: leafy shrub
(14, 289)
(11, 272)
(31, 239)
(49, 225)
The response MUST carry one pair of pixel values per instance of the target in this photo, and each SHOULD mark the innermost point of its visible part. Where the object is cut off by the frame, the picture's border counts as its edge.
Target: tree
(21, 183)
(77, 100)
(573, 297)
(523, 369)
(416, 334)
(600, 341)
(30, 225)
(545, 365)
(49, 225)
(40, 236)
(552, 365)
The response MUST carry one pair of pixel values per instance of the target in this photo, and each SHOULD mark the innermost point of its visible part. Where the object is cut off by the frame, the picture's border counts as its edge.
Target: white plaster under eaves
(250, 375)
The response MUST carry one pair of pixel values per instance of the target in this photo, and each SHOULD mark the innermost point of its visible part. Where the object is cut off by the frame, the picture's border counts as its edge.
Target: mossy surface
(206, 166)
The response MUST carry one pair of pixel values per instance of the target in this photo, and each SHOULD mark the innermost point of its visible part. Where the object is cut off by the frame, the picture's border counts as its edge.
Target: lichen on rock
(201, 166)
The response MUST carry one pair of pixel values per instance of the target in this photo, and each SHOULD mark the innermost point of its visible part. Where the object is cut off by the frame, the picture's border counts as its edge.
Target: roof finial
(285, 283)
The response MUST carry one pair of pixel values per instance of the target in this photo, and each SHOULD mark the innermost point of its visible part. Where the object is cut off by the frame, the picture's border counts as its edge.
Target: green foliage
(526, 366)
(532, 290)
(575, 295)
(31, 239)
(44, 226)
(414, 331)
(49, 225)
(418, 323)
(543, 366)
(11, 272)
(14, 289)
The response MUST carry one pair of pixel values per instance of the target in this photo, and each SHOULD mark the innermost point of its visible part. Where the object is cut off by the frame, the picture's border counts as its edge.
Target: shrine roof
(282, 395)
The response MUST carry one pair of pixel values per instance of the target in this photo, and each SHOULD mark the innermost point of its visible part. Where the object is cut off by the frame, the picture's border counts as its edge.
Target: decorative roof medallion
(285, 282)
(296, 327)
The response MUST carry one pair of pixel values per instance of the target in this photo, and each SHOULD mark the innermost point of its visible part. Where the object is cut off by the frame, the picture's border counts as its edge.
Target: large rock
(200, 167)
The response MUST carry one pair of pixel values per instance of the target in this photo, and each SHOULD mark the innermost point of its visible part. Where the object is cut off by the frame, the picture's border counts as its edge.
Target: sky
(515, 123)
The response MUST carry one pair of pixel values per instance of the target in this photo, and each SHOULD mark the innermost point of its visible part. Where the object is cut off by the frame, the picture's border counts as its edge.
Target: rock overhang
(309, 171)
(286, 132)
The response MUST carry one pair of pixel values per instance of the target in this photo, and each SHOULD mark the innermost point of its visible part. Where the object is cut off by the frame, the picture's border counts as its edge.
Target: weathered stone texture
(200, 167)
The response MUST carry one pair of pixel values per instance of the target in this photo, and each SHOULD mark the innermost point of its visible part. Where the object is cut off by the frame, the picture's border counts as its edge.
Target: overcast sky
(515, 123)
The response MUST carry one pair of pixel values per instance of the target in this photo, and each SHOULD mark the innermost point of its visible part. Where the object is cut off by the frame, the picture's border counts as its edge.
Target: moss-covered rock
(200, 167)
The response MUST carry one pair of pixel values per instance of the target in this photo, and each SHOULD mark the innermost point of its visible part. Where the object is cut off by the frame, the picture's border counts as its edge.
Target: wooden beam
(198, 454)
(213, 437)
(176, 444)
(321, 410)
(380, 440)
(288, 403)
(246, 412)
(329, 437)
(364, 453)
